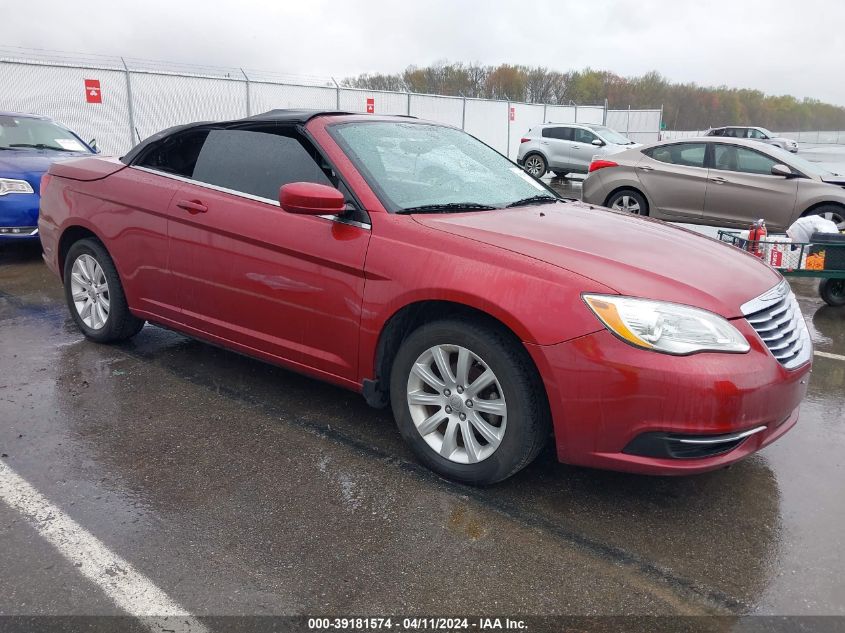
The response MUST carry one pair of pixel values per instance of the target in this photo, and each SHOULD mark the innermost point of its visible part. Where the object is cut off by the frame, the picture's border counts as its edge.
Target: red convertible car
(408, 261)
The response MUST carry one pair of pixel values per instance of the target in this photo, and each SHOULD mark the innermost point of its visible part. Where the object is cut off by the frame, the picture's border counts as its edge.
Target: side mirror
(782, 170)
(309, 198)
(598, 142)
(93, 145)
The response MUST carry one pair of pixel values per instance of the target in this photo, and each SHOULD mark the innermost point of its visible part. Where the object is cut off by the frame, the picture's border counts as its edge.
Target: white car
(760, 134)
(568, 147)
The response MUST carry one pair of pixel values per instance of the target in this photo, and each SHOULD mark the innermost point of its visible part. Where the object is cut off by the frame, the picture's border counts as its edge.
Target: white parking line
(129, 589)
(829, 355)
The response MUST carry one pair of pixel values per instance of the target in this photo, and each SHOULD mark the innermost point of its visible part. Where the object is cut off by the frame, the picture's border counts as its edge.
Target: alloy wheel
(837, 218)
(534, 166)
(90, 291)
(626, 203)
(457, 404)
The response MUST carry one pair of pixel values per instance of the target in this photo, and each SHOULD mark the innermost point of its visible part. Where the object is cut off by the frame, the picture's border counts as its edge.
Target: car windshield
(610, 135)
(802, 164)
(419, 167)
(21, 133)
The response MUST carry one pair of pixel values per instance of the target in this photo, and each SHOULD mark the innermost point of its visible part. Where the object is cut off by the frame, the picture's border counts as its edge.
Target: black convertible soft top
(272, 116)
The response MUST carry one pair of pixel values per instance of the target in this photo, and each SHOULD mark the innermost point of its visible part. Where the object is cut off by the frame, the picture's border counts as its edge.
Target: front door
(582, 150)
(281, 284)
(742, 189)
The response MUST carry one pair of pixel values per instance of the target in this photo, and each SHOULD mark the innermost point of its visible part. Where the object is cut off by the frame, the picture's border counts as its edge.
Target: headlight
(8, 185)
(666, 327)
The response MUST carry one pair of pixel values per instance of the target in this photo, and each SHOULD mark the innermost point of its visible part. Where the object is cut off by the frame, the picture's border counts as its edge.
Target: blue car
(28, 144)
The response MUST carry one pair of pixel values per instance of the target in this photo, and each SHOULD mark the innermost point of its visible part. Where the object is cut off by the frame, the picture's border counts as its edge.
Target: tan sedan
(717, 181)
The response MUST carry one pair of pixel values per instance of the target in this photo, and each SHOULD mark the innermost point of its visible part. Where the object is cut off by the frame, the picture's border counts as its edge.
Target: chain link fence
(135, 99)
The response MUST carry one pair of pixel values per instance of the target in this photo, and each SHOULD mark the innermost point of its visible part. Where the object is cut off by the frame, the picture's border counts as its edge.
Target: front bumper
(19, 216)
(606, 396)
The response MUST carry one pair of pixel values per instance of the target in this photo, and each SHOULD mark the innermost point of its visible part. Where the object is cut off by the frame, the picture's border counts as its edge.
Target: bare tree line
(686, 105)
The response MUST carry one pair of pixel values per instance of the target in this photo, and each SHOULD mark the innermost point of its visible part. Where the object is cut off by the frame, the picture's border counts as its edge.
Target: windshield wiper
(533, 200)
(447, 207)
(40, 146)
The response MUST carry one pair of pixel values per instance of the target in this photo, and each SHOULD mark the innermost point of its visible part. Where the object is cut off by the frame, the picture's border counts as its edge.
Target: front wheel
(468, 400)
(95, 295)
(832, 291)
(536, 165)
(832, 212)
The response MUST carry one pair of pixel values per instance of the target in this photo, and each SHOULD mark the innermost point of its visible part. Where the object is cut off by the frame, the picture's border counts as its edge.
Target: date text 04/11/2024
(415, 624)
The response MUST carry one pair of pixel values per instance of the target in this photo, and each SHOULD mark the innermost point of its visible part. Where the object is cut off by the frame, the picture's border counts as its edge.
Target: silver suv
(760, 134)
(568, 148)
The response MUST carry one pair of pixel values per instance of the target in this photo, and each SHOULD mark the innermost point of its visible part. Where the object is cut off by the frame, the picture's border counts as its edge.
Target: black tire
(633, 194)
(528, 417)
(561, 174)
(832, 212)
(541, 165)
(832, 291)
(120, 324)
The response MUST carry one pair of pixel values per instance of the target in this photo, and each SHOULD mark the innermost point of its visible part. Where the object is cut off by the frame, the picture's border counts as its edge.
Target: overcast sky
(778, 46)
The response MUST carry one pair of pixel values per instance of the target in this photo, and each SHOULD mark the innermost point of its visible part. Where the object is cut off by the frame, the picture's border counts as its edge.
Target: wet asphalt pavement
(241, 488)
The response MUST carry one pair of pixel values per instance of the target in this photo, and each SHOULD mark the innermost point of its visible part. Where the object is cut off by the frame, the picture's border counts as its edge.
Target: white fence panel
(525, 116)
(488, 121)
(383, 102)
(162, 101)
(59, 92)
(267, 96)
(589, 114)
(642, 126)
(448, 110)
(670, 135)
(560, 114)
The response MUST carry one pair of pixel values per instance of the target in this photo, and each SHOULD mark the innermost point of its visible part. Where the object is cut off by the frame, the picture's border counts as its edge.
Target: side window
(258, 161)
(752, 133)
(687, 154)
(584, 136)
(560, 133)
(731, 158)
(176, 154)
(733, 132)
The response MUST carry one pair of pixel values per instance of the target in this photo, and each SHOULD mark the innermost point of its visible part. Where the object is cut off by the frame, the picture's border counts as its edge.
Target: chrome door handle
(646, 168)
(719, 179)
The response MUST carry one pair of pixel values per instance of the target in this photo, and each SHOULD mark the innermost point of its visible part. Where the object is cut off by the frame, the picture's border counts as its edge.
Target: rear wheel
(95, 295)
(561, 174)
(629, 201)
(832, 212)
(832, 291)
(468, 400)
(536, 165)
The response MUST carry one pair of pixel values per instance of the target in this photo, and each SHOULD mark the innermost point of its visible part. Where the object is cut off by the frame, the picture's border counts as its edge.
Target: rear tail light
(524, 140)
(601, 164)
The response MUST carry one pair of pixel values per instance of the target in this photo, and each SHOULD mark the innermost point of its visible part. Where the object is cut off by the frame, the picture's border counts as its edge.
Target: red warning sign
(371, 105)
(92, 91)
(513, 114)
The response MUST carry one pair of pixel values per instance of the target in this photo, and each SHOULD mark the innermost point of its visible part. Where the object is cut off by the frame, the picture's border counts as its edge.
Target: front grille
(777, 319)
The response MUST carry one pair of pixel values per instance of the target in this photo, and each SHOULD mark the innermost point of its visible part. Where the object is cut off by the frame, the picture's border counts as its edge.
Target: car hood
(834, 179)
(634, 256)
(30, 166)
